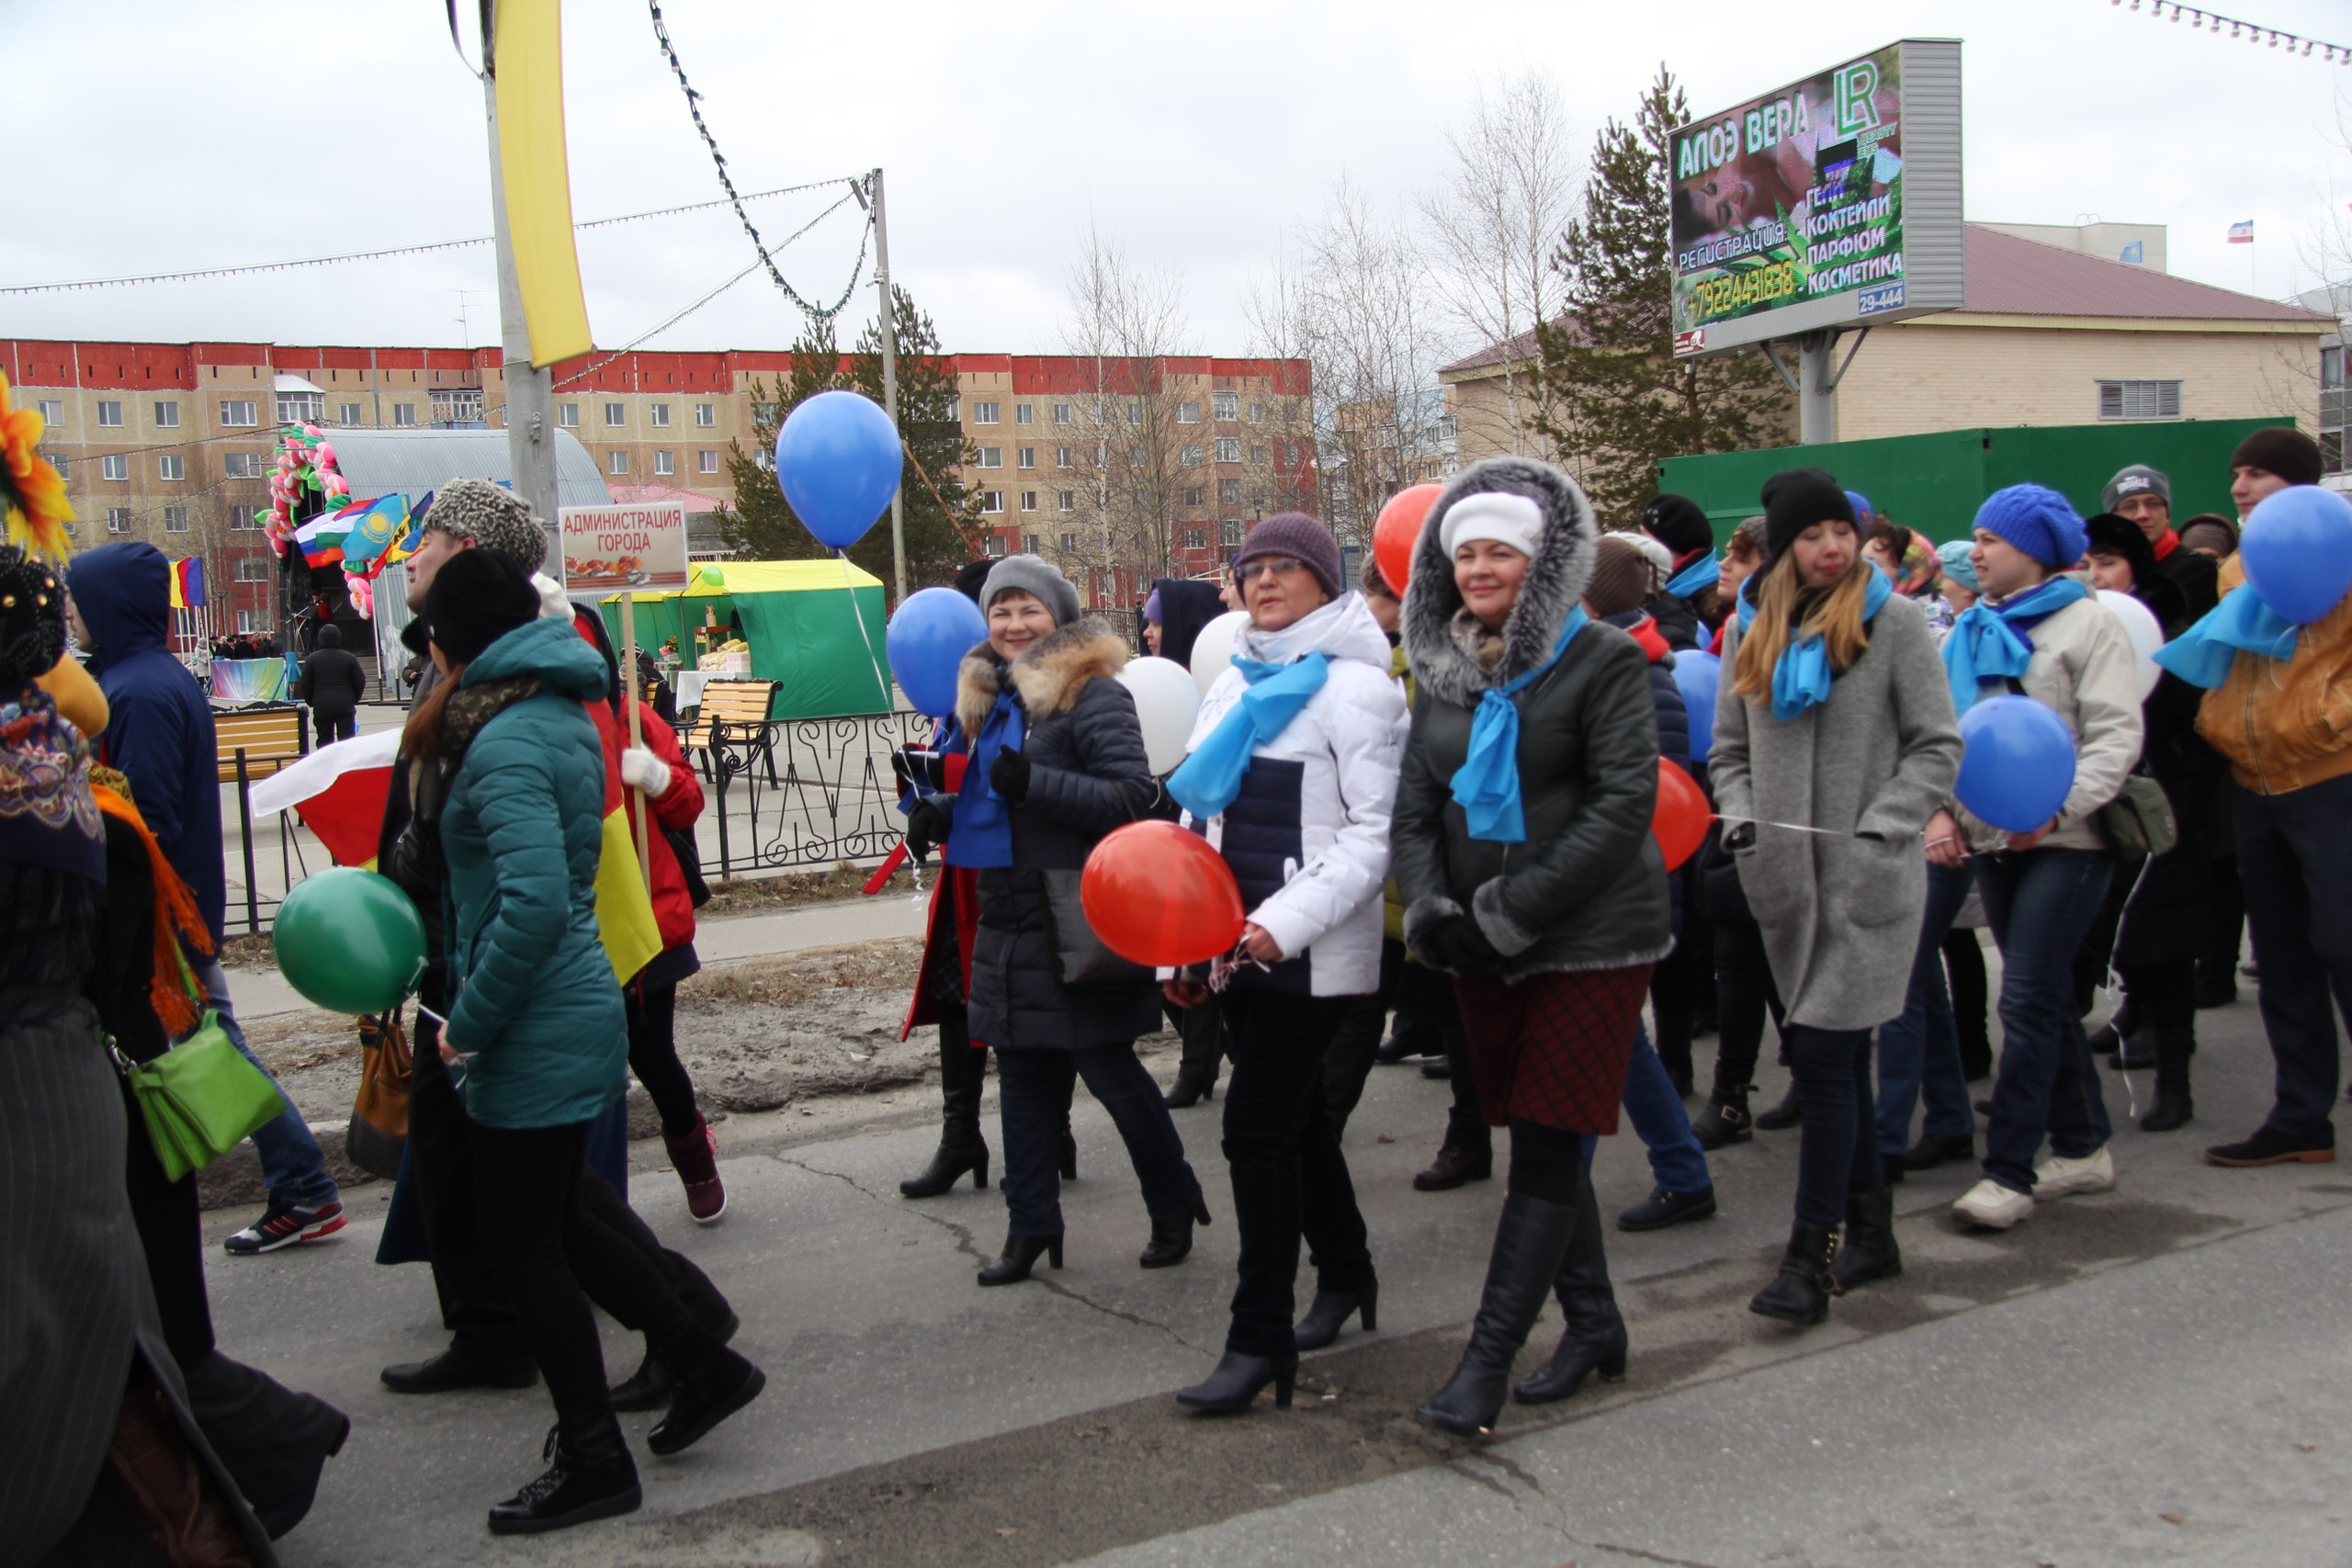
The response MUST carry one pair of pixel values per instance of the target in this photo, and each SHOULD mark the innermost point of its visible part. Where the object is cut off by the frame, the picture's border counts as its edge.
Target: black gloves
(918, 770)
(1009, 776)
(1741, 837)
(1457, 946)
(926, 826)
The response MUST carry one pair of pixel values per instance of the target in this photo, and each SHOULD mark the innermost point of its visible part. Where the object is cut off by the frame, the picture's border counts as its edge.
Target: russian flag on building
(2241, 233)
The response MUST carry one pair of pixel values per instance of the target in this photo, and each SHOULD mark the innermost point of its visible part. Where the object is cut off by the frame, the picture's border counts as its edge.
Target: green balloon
(350, 940)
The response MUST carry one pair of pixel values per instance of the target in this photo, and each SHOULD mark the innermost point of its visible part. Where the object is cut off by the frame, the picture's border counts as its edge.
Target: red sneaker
(695, 1158)
(285, 1224)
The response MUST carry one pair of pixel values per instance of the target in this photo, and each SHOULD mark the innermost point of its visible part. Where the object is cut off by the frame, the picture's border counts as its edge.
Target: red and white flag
(339, 792)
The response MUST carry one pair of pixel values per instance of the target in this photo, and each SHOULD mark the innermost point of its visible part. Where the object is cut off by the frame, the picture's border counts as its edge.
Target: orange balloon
(1680, 823)
(1398, 528)
(1158, 895)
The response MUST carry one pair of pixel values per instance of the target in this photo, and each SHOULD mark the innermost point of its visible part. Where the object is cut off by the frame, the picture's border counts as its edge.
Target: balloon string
(1792, 827)
(855, 614)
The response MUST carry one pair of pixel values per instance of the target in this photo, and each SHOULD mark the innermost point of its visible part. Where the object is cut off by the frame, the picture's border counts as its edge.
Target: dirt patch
(248, 953)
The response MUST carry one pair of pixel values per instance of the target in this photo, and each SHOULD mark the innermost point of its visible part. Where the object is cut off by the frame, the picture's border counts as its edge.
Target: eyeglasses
(1281, 566)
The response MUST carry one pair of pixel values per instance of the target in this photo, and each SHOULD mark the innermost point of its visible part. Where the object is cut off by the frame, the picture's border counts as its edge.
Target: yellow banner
(624, 908)
(529, 57)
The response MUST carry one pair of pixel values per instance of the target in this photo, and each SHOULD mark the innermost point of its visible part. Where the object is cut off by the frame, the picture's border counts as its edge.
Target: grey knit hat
(1036, 577)
(1305, 540)
(2137, 479)
(493, 517)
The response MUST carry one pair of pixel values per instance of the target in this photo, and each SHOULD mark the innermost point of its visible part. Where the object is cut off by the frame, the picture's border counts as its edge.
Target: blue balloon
(2017, 765)
(2298, 551)
(837, 458)
(928, 639)
(1697, 675)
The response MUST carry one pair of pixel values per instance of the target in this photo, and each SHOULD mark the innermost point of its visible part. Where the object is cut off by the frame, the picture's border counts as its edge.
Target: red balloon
(1680, 823)
(1158, 895)
(1398, 528)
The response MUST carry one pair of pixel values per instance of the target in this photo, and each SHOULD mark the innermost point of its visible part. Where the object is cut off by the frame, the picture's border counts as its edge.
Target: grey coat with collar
(1840, 910)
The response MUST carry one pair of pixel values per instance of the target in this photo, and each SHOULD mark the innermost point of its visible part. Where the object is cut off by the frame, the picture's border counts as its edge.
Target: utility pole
(889, 316)
(530, 394)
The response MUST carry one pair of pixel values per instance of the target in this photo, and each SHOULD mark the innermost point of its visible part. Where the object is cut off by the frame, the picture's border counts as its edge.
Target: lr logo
(1854, 85)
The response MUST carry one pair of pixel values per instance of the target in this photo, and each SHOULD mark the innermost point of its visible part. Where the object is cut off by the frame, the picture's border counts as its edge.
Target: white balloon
(1212, 650)
(1166, 702)
(2139, 626)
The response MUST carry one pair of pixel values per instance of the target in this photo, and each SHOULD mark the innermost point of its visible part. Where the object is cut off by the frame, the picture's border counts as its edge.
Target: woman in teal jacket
(510, 776)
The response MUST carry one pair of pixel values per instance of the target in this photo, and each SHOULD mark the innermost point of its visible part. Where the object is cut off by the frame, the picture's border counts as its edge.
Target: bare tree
(1493, 226)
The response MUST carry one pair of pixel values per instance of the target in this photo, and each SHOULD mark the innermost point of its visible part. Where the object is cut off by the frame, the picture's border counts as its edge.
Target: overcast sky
(151, 136)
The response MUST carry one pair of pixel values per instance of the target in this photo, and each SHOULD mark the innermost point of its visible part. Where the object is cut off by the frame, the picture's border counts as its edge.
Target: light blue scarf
(1803, 677)
(1699, 573)
(1211, 776)
(1487, 784)
(1990, 646)
(981, 834)
(2245, 621)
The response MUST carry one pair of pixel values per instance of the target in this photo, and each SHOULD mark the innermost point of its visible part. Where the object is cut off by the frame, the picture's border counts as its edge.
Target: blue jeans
(1031, 1102)
(1921, 1048)
(1676, 1162)
(292, 1163)
(2040, 905)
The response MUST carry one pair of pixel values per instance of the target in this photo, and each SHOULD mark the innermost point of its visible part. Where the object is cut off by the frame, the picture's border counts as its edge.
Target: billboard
(618, 549)
(1834, 200)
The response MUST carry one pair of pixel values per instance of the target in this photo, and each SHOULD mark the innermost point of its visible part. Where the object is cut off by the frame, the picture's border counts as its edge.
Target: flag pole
(636, 727)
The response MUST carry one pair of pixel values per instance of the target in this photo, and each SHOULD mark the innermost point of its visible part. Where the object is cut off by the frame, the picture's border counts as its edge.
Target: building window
(992, 457)
(2331, 451)
(616, 416)
(252, 569)
(1029, 542)
(459, 405)
(1228, 492)
(1257, 414)
(243, 465)
(1197, 538)
(955, 406)
(1028, 500)
(661, 464)
(1134, 457)
(1188, 414)
(52, 410)
(1062, 458)
(617, 462)
(706, 415)
(1135, 410)
(252, 621)
(109, 414)
(1061, 414)
(1024, 413)
(171, 466)
(995, 546)
(1229, 448)
(985, 413)
(1069, 499)
(242, 521)
(405, 416)
(660, 415)
(1069, 544)
(706, 461)
(2139, 400)
(168, 416)
(346, 413)
(301, 408)
(992, 501)
(1026, 457)
(1229, 532)
(59, 461)
(1194, 495)
(118, 520)
(175, 520)
(1258, 453)
(1446, 429)
(567, 415)
(239, 413)
(114, 466)
(1225, 405)
(1187, 456)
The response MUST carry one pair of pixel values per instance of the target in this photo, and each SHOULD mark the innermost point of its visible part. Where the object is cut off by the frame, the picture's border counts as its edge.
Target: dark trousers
(2226, 933)
(1348, 1063)
(1837, 1155)
(1972, 1001)
(1201, 1028)
(1745, 996)
(1032, 1099)
(1682, 981)
(2041, 905)
(2295, 857)
(1289, 1177)
(332, 727)
(1425, 1001)
(1919, 1051)
(440, 1154)
(653, 1056)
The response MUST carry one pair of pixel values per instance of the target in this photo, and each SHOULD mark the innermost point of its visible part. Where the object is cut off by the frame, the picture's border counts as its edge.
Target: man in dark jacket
(333, 684)
(1681, 524)
(160, 736)
(2143, 496)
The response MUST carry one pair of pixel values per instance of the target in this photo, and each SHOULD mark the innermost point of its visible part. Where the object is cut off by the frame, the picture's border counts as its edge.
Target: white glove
(641, 769)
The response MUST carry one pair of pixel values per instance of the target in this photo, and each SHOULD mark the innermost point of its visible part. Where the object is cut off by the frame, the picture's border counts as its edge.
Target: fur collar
(1556, 581)
(1047, 675)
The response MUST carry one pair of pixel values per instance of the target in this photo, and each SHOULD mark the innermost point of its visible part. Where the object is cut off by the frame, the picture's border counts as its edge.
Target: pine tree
(1620, 400)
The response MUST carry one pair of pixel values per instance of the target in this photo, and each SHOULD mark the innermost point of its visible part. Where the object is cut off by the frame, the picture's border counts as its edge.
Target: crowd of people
(1437, 806)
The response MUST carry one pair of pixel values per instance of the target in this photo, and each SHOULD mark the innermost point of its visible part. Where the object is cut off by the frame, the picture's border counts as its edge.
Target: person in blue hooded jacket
(160, 737)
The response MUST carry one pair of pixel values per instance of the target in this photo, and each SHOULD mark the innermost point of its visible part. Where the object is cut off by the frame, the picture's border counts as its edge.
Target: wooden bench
(272, 736)
(741, 707)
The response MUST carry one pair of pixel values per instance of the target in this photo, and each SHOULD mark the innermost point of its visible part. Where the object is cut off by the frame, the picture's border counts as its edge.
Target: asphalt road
(2155, 1375)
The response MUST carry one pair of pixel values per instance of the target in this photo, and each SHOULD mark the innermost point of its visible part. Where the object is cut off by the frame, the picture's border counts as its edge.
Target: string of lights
(2253, 32)
(727, 183)
(425, 249)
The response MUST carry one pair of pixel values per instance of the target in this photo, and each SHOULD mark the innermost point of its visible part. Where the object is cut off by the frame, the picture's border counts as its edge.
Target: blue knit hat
(2038, 521)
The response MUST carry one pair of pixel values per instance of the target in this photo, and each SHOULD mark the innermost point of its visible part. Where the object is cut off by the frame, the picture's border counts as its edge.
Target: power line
(425, 249)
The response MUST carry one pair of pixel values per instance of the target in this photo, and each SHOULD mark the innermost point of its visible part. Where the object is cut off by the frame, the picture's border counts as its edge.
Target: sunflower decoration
(31, 493)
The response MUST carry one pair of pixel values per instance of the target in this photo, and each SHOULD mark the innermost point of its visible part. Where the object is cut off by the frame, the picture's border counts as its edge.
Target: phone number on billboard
(1741, 291)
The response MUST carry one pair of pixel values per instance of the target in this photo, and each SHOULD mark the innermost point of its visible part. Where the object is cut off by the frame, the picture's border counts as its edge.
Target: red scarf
(2167, 542)
(1645, 631)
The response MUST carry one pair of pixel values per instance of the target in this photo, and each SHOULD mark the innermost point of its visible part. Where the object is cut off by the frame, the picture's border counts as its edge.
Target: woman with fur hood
(1291, 773)
(1834, 744)
(1056, 762)
(1529, 873)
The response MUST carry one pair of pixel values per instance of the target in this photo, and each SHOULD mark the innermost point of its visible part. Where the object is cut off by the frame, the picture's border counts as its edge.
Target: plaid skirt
(1552, 1048)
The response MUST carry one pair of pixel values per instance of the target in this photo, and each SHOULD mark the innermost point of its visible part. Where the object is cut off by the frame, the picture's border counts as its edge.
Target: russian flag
(2241, 233)
(320, 540)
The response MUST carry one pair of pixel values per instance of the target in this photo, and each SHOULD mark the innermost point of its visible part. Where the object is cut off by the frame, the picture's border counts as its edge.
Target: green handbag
(200, 1099)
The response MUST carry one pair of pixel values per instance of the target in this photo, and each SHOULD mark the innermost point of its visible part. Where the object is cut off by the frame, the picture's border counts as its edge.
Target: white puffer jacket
(1307, 837)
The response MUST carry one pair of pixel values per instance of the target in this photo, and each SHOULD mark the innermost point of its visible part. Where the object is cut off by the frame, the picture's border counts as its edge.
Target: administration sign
(609, 549)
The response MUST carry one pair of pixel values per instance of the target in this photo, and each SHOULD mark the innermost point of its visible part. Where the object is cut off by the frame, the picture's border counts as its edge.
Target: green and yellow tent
(815, 627)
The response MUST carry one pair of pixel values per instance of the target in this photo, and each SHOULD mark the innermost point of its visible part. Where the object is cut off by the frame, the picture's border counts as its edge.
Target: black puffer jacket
(1587, 890)
(1087, 775)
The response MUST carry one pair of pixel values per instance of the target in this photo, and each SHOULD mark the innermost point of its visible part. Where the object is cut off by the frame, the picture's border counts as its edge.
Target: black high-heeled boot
(1021, 1254)
(1330, 1310)
(2174, 1108)
(588, 1476)
(1531, 1239)
(1192, 1085)
(1171, 1236)
(961, 1146)
(1594, 1340)
(713, 1383)
(1800, 1293)
(1870, 1252)
(1068, 1157)
(1726, 1120)
(1239, 1379)
(1784, 1115)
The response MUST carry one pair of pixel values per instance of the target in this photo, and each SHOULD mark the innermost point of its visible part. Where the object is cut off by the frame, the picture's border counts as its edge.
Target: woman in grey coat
(1834, 743)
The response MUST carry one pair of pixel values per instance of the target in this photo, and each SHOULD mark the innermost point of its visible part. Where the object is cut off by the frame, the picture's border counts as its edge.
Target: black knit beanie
(2280, 449)
(1795, 502)
(1678, 522)
(477, 597)
(2113, 535)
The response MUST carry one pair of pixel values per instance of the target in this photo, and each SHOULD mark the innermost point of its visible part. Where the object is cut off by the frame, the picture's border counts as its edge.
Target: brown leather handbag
(378, 1129)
